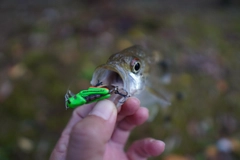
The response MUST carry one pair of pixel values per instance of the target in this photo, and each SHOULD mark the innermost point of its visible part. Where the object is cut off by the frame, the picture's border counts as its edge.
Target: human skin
(96, 131)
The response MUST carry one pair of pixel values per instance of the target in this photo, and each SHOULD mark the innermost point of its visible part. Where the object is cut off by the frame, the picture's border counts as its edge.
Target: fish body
(130, 70)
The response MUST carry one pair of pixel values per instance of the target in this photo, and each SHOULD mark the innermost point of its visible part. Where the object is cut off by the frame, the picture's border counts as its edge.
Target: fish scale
(132, 71)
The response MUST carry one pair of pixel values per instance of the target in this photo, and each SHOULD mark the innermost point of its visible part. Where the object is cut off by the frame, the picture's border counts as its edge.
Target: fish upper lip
(112, 67)
(112, 76)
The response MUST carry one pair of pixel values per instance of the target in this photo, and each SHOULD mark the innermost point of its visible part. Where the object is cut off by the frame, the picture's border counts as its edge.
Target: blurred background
(47, 45)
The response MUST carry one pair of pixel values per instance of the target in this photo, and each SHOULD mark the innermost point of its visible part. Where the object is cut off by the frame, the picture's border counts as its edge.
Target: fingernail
(103, 109)
(161, 143)
(62, 148)
(136, 100)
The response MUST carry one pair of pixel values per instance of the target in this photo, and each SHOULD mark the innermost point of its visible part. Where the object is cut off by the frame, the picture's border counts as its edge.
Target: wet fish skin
(119, 70)
(130, 69)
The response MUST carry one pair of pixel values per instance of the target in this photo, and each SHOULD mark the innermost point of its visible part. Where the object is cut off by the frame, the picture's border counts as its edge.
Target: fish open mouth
(112, 79)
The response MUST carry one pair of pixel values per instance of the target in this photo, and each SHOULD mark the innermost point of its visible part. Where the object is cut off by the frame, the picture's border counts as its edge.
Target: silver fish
(134, 72)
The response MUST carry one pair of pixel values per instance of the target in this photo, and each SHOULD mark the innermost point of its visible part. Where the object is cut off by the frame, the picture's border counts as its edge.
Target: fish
(135, 72)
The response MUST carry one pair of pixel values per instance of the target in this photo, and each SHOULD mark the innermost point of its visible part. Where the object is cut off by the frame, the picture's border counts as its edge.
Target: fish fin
(153, 102)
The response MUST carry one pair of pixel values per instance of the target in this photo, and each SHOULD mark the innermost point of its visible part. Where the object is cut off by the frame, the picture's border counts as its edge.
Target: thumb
(89, 136)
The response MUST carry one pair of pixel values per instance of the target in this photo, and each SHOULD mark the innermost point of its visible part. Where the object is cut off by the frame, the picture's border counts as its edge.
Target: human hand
(96, 131)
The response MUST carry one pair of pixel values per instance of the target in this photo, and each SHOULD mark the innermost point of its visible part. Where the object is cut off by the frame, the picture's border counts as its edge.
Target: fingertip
(140, 116)
(131, 121)
(144, 112)
(129, 108)
(156, 147)
(134, 101)
(104, 109)
(145, 148)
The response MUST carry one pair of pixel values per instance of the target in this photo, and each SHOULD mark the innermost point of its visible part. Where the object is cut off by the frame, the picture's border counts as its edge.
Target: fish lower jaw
(117, 100)
(113, 81)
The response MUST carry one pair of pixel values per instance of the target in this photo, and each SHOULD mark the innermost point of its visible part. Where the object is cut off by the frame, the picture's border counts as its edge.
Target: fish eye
(135, 64)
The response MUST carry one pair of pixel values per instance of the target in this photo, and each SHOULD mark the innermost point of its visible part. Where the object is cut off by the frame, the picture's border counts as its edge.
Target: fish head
(127, 70)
